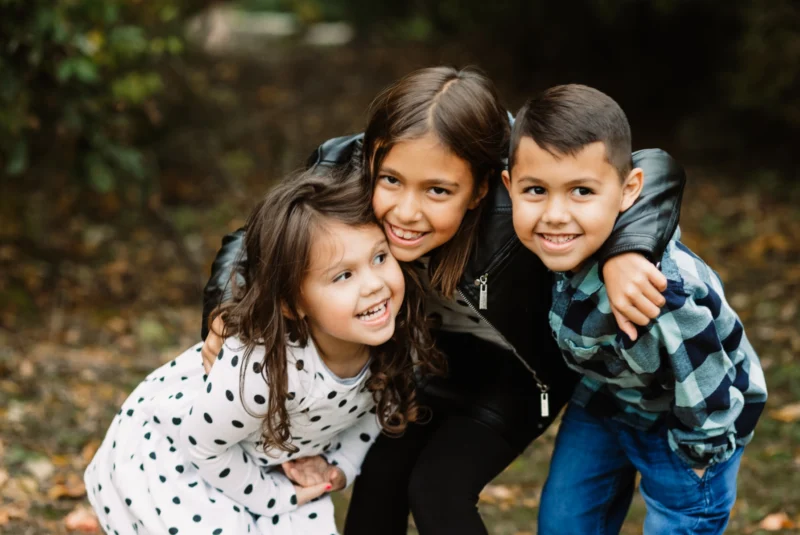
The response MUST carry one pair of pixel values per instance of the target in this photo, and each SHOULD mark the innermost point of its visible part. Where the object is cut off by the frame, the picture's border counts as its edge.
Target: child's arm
(633, 282)
(647, 226)
(218, 421)
(718, 382)
(351, 446)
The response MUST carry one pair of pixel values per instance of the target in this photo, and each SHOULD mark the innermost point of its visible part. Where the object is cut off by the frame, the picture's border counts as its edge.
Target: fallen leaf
(88, 451)
(499, 493)
(12, 512)
(40, 468)
(72, 488)
(82, 519)
(776, 522)
(788, 413)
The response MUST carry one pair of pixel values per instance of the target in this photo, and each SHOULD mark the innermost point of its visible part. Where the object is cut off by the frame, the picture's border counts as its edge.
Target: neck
(345, 359)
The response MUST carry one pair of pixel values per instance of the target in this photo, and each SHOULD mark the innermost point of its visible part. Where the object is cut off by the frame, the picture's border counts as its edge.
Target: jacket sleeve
(647, 226)
(230, 258)
(334, 152)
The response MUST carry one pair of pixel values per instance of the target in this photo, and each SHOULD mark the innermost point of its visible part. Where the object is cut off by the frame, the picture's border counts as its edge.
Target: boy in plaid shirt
(678, 403)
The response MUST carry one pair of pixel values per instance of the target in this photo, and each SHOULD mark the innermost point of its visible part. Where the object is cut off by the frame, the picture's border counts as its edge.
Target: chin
(380, 337)
(561, 265)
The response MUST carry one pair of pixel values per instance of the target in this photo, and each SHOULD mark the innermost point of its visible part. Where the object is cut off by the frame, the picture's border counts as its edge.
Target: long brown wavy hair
(278, 238)
(462, 109)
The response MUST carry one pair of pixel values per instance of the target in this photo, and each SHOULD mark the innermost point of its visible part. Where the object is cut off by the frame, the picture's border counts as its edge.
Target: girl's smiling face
(353, 288)
(421, 195)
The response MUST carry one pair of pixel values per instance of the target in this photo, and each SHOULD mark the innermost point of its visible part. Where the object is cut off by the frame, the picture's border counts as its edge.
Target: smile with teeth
(559, 238)
(374, 312)
(405, 234)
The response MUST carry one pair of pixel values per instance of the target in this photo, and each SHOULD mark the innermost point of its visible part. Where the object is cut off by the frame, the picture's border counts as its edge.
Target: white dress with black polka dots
(184, 455)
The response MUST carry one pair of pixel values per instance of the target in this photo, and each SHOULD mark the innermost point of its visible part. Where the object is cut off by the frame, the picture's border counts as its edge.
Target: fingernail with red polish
(328, 487)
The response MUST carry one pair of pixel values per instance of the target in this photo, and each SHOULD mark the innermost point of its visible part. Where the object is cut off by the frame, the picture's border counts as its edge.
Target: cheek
(598, 220)
(381, 202)
(445, 218)
(525, 216)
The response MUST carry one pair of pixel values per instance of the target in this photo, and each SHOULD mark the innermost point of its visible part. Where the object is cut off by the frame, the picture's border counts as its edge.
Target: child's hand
(213, 344)
(306, 494)
(634, 287)
(308, 471)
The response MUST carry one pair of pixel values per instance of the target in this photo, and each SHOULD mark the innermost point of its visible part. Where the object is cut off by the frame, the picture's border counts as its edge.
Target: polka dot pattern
(152, 451)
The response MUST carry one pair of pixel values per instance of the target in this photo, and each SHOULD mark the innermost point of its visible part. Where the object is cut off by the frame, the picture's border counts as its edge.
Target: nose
(372, 283)
(407, 208)
(556, 212)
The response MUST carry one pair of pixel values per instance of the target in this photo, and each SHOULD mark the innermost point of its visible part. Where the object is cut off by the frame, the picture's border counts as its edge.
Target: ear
(506, 180)
(631, 188)
(483, 189)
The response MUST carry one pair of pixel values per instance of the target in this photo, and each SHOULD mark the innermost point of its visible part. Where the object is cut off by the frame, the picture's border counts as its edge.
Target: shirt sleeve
(703, 341)
(352, 445)
(218, 422)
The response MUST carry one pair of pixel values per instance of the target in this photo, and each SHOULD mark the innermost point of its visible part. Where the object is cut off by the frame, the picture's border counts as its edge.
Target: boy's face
(565, 208)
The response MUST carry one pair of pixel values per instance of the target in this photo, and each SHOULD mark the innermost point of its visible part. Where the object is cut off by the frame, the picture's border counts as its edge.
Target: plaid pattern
(692, 367)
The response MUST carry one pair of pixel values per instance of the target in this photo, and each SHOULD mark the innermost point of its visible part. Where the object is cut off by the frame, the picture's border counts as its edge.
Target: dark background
(134, 134)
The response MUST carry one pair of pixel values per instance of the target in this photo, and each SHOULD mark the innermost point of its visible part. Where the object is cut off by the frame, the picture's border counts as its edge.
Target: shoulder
(336, 151)
(689, 275)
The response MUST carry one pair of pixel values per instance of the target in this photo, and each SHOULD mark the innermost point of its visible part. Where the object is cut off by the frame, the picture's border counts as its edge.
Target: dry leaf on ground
(787, 414)
(776, 522)
(73, 487)
(82, 519)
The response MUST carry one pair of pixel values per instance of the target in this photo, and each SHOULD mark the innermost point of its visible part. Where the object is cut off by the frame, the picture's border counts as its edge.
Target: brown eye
(342, 276)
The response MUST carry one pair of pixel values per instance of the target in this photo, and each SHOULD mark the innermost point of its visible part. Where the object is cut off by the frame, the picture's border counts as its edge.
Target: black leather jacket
(516, 284)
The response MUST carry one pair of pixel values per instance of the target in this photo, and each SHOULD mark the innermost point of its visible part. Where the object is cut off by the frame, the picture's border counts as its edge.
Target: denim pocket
(685, 467)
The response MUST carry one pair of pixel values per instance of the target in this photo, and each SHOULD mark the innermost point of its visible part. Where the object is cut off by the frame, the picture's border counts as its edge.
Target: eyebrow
(345, 262)
(532, 180)
(430, 182)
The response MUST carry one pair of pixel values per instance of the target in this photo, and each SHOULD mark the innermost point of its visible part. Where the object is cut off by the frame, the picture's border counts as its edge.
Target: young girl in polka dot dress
(316, 360)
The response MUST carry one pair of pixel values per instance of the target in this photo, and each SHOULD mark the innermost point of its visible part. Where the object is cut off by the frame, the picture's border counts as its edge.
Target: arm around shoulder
(647, 226)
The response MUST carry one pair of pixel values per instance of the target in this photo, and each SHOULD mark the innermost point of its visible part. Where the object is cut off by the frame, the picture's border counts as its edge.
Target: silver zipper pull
(545, 404)
(483, 302)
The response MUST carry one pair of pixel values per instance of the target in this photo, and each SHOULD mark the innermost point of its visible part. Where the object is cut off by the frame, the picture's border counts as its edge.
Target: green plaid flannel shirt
(692, 368)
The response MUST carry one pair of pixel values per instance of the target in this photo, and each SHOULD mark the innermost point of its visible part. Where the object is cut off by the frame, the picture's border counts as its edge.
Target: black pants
(436, 470)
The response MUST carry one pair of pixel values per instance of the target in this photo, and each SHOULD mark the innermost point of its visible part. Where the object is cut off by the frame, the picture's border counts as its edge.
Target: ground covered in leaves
(97, 290)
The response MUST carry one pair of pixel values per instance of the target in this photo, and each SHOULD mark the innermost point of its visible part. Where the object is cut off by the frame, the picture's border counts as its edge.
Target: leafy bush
(82, 76)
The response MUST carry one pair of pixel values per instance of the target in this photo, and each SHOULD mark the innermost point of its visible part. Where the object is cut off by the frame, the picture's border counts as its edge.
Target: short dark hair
(564, 119)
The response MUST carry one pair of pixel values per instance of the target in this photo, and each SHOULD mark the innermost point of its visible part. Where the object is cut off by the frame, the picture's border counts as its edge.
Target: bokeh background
(135, 133)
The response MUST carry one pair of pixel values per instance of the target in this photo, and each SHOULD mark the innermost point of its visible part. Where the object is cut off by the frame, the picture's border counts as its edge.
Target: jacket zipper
(544, 400)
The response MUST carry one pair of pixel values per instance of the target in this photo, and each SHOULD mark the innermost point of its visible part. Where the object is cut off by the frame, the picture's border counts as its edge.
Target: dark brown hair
(462, 109)
(564, 119)
(278, 238)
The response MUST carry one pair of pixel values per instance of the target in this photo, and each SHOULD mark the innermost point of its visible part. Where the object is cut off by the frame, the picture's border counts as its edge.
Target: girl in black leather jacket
(432, 154)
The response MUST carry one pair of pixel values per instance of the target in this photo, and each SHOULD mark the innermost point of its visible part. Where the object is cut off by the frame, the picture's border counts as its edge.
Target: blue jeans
(592, 478)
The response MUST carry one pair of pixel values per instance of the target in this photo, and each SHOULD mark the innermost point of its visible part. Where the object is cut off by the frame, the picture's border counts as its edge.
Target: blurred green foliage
(80, 80)
(80, 76)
